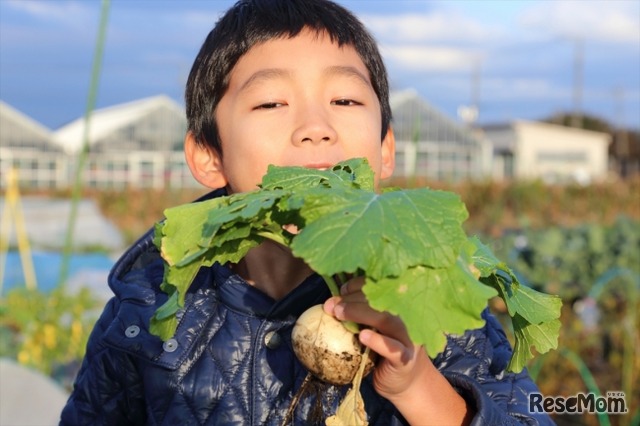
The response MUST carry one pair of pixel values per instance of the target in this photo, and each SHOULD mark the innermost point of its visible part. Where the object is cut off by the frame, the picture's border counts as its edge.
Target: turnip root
(326, 348)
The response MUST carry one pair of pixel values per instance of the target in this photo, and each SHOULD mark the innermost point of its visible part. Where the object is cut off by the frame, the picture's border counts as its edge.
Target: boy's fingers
(330, 304)
(352, 305)
(352, 286)
(385, 323)
(358, 297)
(394, 351)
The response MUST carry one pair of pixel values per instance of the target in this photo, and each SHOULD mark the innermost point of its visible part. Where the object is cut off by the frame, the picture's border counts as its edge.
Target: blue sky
(521, 52)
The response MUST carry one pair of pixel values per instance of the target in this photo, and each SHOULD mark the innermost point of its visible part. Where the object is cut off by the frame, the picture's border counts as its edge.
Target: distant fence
(137, 169)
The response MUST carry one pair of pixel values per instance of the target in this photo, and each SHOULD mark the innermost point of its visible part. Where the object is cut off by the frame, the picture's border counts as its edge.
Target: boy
(288, 83)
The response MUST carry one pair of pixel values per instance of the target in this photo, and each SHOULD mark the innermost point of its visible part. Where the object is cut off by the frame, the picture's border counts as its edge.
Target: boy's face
(299, 101)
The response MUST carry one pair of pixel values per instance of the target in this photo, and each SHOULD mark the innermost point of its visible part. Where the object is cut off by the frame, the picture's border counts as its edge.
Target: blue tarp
(88, 269)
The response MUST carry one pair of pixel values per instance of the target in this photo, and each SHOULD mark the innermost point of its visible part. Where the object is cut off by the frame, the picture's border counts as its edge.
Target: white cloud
(421, 58)
(67, 12)
(517, 88)
(502, 89)
(200, 20)
(614, 21)
(33, 27)
(440, 25)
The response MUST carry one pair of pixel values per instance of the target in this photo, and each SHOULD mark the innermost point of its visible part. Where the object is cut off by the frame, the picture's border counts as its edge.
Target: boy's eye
(269, 105)
(345, 102)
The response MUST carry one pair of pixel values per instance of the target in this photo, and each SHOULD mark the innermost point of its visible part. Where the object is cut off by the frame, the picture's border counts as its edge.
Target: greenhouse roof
(9, 113)
(414, 118)
(107, 120)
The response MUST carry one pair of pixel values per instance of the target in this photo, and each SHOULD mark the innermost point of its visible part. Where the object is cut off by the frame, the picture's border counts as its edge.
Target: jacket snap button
(272, 340)
(170, 345)
(132, 331)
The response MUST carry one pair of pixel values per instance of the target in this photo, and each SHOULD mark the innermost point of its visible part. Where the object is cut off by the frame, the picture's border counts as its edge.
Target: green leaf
(409, 244)
(181, 278)
(249, 210)
(176, 282)
(432, 302)
(182, 229)
(534, 315)
(535, 307)
(354, 173)
(483, 258)
(543, 336)
(360, 171)
(169, 307)
(164, 328)
(382, 234)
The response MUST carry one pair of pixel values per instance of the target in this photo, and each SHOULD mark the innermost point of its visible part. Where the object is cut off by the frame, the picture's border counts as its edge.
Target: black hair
(250, 22)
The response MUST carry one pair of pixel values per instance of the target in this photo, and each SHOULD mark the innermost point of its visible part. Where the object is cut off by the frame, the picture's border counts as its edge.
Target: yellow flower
(49, 336)
(23, 357)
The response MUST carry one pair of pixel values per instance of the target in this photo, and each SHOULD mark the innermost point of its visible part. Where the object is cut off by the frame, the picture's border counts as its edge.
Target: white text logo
(611, 403)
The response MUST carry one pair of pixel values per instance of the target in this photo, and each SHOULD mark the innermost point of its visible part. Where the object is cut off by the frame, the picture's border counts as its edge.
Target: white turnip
(326, 348)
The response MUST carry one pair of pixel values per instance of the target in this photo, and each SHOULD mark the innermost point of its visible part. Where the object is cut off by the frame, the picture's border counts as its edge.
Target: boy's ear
(204, 163)
(388, 154)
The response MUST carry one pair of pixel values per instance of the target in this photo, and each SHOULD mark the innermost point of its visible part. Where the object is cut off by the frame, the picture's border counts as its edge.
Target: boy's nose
(314, 128)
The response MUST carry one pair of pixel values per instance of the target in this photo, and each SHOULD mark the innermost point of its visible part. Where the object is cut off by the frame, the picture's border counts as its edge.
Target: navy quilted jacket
(231, 362)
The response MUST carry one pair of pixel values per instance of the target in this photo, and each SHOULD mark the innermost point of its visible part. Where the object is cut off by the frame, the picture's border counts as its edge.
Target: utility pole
(578, 65)
(475, 87)
(621, 142)
(469, 113)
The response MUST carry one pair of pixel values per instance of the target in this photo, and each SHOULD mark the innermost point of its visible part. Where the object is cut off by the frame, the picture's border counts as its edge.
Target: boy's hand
(405, 374)
(401, 359)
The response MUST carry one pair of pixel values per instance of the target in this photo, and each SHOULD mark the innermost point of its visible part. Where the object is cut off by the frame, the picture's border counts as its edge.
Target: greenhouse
(431, 145)
(28, 147)
(135, 144)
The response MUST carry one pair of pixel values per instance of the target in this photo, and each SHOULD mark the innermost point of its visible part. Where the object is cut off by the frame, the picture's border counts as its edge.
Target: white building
(28, 147)
(535, 150)
(431, 145)
(136, 144)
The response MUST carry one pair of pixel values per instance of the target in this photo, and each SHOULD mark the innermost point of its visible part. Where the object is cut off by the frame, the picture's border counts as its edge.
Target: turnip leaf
(432, 302)
(351, 173)
(543, 336)
(381, 234)
(409, 245)
(532, 305)
(177, 236)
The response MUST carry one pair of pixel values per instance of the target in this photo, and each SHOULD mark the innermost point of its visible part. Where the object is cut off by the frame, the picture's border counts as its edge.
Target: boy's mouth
(319, 166)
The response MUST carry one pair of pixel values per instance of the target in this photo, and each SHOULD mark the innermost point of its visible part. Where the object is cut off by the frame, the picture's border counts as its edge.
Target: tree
(588, 122)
